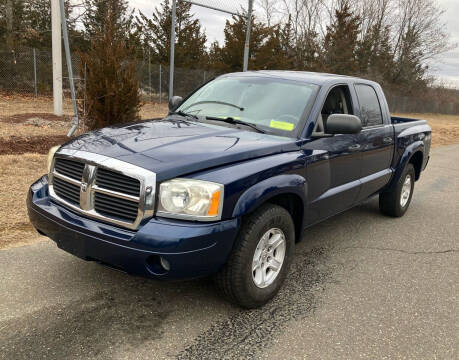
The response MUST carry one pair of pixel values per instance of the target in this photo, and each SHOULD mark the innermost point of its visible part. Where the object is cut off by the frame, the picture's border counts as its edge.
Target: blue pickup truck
(230, 179)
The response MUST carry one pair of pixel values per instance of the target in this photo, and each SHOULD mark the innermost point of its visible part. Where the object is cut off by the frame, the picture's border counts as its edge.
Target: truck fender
(259, 193)
(404, 159)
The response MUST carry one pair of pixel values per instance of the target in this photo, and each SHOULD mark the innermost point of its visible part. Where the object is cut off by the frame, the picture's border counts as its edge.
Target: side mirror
(175, 102)
(343, 124)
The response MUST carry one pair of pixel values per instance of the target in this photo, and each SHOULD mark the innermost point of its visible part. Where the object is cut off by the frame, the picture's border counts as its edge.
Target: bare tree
(268, 9)
(419, 34)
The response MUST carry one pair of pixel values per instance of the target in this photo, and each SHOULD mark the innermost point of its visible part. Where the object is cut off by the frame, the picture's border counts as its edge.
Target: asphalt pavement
(362, 285)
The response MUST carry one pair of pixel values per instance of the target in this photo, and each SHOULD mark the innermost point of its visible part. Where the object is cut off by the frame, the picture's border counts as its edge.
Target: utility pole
(247, 36)
(68, 57)
(171, 67)
(57, 56)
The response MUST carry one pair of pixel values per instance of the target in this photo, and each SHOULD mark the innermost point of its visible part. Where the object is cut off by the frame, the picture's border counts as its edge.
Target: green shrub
(111, 92)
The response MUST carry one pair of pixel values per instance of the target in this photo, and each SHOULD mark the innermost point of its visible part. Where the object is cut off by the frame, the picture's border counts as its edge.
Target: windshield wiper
(216, 102)
(231, 120)
(184, 114)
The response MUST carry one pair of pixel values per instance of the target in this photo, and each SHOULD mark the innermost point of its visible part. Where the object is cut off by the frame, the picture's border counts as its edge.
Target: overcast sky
(446, 66)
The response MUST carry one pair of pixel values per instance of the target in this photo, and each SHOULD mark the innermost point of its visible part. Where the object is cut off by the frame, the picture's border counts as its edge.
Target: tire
(237, 280)
(396, 202)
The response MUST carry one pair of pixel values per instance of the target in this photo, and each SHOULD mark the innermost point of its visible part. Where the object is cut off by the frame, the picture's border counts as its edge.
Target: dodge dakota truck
(230, 179)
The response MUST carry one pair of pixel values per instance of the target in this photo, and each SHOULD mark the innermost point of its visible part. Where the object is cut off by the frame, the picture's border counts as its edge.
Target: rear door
(376, 140)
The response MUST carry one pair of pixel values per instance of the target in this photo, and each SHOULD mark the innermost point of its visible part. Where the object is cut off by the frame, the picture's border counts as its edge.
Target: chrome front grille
(117, 182)
(103, 188)
(67, 191)
(116, 208)
(70, 168)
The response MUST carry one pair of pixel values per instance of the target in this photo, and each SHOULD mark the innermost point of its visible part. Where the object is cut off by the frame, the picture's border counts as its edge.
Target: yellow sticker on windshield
(281, 125)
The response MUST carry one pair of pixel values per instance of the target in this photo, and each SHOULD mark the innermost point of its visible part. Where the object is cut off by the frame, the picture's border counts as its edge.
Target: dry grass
(17, 172)
(14, 104)
(8, 130)
(151, 111)
(28, 129)
(445, 128)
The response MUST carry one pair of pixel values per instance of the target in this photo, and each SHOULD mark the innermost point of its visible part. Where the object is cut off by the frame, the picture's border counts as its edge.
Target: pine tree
(95, 16)
(112, 94)
(232, 52)
(381, 60)
(307, 52)
(287, 42)
(190, 44)
(408, 65)
(215, 56)
(11, 24)
(274, 53)
(30, 24)
(341, 43)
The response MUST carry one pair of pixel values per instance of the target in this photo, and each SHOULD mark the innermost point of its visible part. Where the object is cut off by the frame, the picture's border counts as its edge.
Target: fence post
(35, 73)
(247, 36)
(172, 57)
(160, 84)
(149, 74)
(56, 39)
(84, 96)
(204, 76)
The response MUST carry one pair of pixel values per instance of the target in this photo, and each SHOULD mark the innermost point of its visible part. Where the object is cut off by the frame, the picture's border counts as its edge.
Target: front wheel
(260, 258)
(396, 202)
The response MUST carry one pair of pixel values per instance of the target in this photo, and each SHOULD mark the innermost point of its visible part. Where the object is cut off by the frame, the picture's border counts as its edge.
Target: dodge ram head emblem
(84, 187)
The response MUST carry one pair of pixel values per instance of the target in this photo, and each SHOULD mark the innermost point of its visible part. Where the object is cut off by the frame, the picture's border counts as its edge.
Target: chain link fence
(29, 72)
(154, 80)
(426, 104)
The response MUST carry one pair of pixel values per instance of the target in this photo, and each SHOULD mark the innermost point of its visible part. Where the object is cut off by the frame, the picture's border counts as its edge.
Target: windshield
(276, 105)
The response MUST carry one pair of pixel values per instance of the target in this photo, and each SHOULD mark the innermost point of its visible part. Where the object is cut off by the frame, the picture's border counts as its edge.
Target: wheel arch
(295, 206)
(406, 158)
(287, 191)
(417, 160)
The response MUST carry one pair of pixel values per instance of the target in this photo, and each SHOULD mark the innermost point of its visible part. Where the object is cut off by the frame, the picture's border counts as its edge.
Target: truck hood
(174, 147)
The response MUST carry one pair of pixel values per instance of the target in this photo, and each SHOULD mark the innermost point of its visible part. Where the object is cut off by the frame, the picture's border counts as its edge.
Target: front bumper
(191, 249)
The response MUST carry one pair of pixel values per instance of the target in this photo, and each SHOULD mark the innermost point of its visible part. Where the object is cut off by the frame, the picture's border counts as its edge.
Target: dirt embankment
(34, 132)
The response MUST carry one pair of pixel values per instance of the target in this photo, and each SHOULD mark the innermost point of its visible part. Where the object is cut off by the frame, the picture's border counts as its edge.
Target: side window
(338, 101)
(370, 110)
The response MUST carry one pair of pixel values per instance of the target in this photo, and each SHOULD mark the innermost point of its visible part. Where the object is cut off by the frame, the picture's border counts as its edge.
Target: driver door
(333, 170)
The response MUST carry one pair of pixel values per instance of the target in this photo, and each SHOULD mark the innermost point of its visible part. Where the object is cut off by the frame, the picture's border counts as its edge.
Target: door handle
(354, 147)
(387, 140)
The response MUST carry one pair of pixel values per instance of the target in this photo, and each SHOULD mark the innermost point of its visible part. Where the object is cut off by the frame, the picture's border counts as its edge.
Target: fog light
(157, 265)
(165, 264)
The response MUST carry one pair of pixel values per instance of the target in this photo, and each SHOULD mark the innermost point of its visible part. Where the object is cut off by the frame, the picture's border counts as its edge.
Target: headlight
(190, 199)
(51, 153)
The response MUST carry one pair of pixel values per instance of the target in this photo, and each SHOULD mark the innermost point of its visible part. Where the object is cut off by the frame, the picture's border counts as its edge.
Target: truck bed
(403, 120)
(408, 126)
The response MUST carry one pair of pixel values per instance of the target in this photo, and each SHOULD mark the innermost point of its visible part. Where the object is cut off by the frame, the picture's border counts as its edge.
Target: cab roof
(304, 76)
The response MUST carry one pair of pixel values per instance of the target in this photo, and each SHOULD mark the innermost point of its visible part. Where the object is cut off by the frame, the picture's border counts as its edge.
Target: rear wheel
(396, 202)
(260, 258)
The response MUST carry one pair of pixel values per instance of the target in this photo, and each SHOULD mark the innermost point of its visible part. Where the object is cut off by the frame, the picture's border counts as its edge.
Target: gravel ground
(361, 286)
